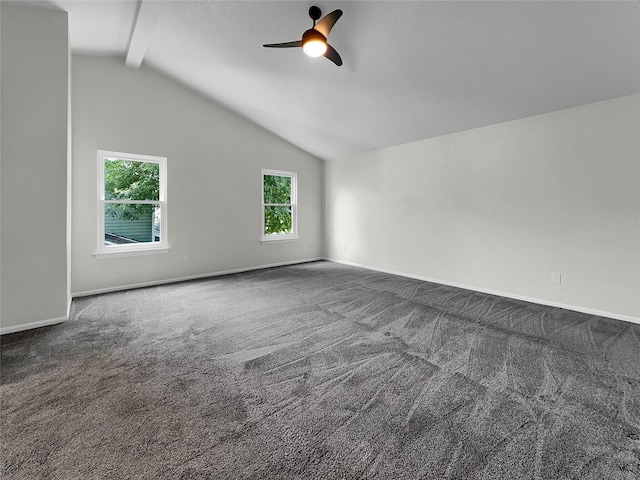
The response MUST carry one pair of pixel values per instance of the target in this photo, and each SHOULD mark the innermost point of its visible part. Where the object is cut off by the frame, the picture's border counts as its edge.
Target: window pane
(277, 189)
(277, 220)
(129, 180)
(124, 224)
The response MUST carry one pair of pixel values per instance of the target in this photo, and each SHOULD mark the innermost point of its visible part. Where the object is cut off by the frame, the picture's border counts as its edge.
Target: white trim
(134, 202)
(43, 323)
(277, 173)
(590, 311)
(30, 325)
(293, 236)
(143, 249)
(132, 156)
(191, 277)
(275, 238)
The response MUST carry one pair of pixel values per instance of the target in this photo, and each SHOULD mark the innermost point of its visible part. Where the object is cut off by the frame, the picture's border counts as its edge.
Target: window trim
(279, 237)
(143, 248)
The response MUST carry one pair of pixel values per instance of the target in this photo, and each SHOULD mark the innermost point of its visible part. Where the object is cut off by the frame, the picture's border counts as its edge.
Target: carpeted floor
(320, 371)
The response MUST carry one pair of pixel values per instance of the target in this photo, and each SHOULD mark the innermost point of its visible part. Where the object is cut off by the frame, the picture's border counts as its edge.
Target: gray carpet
(320, 371)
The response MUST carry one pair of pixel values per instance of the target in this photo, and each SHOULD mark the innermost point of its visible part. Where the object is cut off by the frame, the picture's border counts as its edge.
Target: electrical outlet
(185, 259)
(556, 277)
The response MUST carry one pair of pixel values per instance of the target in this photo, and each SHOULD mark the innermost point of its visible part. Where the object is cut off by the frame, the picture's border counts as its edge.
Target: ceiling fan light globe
(314, 48)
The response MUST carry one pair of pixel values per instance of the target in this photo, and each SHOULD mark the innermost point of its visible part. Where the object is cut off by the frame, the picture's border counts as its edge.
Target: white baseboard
(189, 277)
(53, 321)
(30, 325)
(575, 308)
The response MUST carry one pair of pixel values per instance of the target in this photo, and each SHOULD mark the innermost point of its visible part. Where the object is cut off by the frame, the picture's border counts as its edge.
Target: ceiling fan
(314, 41)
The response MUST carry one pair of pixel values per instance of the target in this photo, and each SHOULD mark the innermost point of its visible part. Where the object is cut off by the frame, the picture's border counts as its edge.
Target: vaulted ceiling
(412, 70)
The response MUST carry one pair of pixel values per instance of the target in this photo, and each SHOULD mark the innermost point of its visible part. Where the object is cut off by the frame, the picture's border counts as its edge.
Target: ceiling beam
(148, 13)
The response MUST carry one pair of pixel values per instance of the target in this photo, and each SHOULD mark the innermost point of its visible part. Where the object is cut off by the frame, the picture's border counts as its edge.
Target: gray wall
(34, 95)
(500, 208)
(214, 162)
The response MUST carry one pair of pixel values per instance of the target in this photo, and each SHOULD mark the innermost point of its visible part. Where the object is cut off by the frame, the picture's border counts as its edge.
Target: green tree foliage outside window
(129, 180)
(277, 204)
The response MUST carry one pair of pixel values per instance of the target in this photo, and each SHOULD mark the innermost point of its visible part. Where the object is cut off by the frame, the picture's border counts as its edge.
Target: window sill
(131, 252)
(279, 239)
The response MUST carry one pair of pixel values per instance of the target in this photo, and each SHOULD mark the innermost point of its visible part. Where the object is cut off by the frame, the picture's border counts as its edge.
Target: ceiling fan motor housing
(313, 35)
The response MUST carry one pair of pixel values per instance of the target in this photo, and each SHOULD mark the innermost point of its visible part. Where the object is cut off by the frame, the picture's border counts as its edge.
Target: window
(132, 204)
(278, 206)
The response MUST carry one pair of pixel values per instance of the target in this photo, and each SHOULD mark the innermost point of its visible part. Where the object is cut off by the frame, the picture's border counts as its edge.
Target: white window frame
(280, 237)
(143, 248)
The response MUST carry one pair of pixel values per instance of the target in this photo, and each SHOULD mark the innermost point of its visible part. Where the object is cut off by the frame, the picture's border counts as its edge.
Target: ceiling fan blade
(333, 55)
(325, 24)
(297, 43)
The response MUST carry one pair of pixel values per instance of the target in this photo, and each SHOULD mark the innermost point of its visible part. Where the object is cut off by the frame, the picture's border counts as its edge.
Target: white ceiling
(412, 70)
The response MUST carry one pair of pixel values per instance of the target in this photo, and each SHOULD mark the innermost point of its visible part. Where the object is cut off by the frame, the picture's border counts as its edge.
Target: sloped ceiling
(412, 70)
